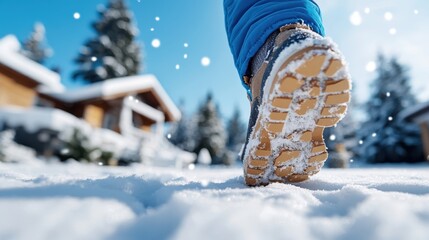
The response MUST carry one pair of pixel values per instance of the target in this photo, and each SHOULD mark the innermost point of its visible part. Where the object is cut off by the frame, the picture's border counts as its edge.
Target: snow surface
(74, 201)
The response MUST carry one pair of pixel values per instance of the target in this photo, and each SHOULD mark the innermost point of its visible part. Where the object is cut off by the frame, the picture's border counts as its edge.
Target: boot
(299, 86)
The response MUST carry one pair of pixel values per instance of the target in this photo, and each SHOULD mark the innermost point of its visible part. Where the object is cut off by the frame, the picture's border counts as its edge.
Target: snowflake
(356, 18)
(205, 61)
(156, 43)
(371, 66)
(191, 166)
(76, 15)
(388, 16)
(367, 10)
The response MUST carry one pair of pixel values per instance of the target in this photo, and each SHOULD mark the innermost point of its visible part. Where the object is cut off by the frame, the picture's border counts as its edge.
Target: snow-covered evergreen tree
(384, 137)
(78, 147)
(210, 131)
(2, 146)
(182, 133)
(236, 132)
(34, 47)
(113, 52)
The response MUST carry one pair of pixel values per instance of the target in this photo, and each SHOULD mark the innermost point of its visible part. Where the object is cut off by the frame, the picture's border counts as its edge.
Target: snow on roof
(118, 86)
(11, 58)
(414, 112)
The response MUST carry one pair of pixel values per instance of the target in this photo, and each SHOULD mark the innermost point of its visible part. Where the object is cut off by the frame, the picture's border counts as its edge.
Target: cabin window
(42, 102)
(111, 119)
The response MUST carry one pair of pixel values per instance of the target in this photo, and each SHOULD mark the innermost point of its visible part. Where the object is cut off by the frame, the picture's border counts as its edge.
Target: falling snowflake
(392, 31)
(169, 135)
(157, 19)
(374, 135)
(76, 15)
(191, 166)
(156, 43)
(93, 59)
(371, 66)
(152, 29)
(204, 183)
(356, 18)
(360, 142)
(205, 61)
(388, 94)
(390, 118)
(367, 10)
(185, 56)
(416, 11)
(177, 66)
(332, 137)
(388, 16)
(186, 45)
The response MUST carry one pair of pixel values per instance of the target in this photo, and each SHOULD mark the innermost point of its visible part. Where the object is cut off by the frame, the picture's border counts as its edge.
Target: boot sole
(308, 92)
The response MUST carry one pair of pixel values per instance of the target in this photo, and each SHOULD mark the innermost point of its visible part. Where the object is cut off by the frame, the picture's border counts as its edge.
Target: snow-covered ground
(74, 201)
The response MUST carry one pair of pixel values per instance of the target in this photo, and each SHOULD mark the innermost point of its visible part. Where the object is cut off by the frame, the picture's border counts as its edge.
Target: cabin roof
(11, 58)
(121, 87)
(415, 112)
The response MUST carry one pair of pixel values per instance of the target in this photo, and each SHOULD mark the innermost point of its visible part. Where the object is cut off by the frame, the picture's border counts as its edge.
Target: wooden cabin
(21, 78)
(420, 115)
(124, 116)
(123, 105)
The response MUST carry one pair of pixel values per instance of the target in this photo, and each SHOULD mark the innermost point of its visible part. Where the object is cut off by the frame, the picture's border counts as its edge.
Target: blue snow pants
(250, 22)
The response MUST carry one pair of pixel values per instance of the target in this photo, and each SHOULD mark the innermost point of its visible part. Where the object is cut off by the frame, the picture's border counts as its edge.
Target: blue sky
(200, 24)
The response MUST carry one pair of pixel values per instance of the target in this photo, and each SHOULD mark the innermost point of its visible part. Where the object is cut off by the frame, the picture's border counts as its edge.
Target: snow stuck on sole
(87, 202)
(307, 90)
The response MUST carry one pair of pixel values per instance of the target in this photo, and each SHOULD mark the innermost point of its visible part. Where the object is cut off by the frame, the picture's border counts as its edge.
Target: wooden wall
(425, 137)
(15, 90)
(94, 115)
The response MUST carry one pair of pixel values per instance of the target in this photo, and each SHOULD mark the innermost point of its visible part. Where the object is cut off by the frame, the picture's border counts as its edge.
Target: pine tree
(113, 52)
(2, 154)
(34, 47)
(236, 132)
(78, 147)
(384, 137)
(182, 132)
(210, 132)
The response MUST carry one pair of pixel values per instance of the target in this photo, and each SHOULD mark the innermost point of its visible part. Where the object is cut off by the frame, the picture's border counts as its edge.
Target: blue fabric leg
(250, 22)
